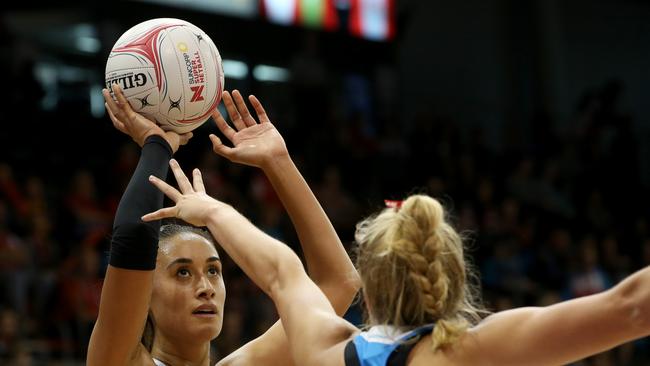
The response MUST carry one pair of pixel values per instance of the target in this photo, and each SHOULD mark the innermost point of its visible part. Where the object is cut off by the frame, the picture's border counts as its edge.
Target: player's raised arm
(572, 330)
(127, 286)
(258, 143)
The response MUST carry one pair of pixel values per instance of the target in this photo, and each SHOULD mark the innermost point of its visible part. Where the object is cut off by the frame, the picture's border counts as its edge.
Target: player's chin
(208, 329)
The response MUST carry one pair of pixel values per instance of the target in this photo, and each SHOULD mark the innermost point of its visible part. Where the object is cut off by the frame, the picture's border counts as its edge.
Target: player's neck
(181, 354)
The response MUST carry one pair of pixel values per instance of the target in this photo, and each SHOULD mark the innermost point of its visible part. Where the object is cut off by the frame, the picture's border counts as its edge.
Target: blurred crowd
(551, 214)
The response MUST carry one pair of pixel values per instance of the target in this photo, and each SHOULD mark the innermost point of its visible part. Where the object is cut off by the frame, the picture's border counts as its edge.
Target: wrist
(218, 212)
(277, 163)
(160, 140)
(149, 133)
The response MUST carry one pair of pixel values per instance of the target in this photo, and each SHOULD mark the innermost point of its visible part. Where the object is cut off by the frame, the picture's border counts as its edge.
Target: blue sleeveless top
(379, 347)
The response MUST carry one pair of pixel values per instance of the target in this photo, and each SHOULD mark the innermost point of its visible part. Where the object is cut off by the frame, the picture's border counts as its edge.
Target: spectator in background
(337, 202)
(589, 277)
(86, 207)
(14, 265)
(10, 333)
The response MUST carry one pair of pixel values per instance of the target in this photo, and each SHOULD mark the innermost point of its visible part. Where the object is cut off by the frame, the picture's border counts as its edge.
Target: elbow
(349, 291)
(347, 284)
(355, 281)
(342, 293)
(351, 285)
(631, 300)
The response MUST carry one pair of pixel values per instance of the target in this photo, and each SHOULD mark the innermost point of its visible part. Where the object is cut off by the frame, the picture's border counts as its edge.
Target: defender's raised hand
(192, 204)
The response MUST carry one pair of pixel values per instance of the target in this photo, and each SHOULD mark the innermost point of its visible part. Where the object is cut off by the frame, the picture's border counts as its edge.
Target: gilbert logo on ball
(169, 70)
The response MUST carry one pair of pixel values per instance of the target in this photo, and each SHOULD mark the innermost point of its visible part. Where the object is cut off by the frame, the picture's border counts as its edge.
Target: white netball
(169, 70)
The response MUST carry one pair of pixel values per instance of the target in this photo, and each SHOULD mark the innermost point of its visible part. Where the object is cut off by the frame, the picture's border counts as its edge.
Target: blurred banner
(239, 8)
(372, 19)
(369, 19)
(319, 14)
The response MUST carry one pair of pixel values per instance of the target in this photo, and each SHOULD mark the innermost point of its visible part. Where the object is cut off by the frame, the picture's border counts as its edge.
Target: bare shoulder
(467, 351)
(237, 358)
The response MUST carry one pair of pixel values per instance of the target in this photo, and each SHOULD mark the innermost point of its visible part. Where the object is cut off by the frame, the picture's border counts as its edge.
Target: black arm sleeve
(135, 243)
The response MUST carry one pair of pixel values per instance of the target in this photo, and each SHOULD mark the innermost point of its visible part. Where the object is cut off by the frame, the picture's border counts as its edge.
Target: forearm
(134, 240)
(263, 258)
(133, 252)
(327, 260)
(140, 197)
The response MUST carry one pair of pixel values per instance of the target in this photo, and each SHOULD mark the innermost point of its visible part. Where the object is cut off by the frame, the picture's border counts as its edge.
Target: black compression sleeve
(135, 243)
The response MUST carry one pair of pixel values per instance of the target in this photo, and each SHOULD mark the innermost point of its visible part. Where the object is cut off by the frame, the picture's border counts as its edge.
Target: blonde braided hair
(413, 270)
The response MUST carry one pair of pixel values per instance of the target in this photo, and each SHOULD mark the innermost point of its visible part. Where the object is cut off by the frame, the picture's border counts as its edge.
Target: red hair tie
(393, 204)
